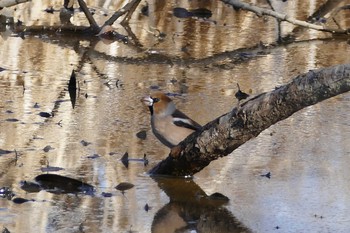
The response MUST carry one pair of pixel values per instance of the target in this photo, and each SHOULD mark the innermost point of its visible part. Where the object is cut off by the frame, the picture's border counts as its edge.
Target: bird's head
(159, 103)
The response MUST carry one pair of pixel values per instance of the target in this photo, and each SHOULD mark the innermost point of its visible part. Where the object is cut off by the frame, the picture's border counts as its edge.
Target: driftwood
(226, 133)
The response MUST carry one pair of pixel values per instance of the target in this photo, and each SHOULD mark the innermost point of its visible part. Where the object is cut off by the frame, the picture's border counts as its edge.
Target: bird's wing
(181, 120)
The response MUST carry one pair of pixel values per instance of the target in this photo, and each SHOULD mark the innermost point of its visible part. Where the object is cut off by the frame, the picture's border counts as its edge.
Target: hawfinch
(169, 125)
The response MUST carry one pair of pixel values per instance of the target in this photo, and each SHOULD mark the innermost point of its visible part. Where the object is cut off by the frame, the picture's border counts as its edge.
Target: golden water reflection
(307, 154)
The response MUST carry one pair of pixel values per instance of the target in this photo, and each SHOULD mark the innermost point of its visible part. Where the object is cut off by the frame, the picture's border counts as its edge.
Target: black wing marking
(186, 122)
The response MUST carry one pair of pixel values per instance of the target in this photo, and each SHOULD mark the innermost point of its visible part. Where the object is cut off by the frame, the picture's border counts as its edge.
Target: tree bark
(226, 133)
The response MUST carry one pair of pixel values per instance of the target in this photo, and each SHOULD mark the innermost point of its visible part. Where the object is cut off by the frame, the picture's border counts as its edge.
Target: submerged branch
(283, 17)
(80, 31)
(226, 133)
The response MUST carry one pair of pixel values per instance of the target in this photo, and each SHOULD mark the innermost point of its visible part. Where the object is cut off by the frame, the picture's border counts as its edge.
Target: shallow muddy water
(307, 155)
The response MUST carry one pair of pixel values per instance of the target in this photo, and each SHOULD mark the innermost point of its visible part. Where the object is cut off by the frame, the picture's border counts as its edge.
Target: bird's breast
(163, 127)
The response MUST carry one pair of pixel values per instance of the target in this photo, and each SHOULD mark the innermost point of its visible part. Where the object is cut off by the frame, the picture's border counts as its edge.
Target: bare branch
(89, 16)
(325, 8)
(122, 11)
(261, 11)
(335, 12)
(130, 12)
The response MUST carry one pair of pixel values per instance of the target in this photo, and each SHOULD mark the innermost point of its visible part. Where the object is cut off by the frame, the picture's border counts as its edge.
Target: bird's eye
(155, 100)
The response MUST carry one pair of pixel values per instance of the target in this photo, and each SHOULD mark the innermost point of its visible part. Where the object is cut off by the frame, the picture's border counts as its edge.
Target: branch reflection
(191, 209)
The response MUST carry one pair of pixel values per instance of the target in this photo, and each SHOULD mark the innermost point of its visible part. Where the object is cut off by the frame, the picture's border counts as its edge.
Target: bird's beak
(147, 100)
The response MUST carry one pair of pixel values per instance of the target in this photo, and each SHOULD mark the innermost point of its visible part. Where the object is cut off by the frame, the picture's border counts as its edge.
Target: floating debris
(145, 10)
(94, 156)
(4, 152)
(119, 83)
(59, 123)
(57, 184)
(106, 194)
(85, 143)
(199, 13)
(317, 216)
(30, 187)
(147, 207)
(49, 10)
(142, 135)
(6, 192)
(125, 159)
(145, 160)
(123, 186)
(72, 88)
(20, 200)
(241, 95)
(45, 114)
(267, 175)
(51, 169)
(11, 120)
(154, 87)
(48, 148)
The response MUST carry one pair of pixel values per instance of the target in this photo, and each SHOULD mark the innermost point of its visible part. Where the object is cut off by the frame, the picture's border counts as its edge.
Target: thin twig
(279, 28)
(89, 16)
(336, 11)
(121, 12)
(16, 157)
(131, 34)
(130, 12)
(324, 9)
(283, 17)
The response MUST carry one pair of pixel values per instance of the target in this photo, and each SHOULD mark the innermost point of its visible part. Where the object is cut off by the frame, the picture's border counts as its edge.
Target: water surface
(307, 154)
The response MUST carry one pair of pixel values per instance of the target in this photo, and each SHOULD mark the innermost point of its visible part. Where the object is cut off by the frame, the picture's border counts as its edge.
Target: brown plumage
(169, 124)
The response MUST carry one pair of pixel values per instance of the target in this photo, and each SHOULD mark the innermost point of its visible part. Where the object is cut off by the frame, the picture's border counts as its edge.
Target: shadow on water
(190, 208)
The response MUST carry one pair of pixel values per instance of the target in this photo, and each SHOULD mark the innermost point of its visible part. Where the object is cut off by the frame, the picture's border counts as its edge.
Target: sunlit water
(307, 154)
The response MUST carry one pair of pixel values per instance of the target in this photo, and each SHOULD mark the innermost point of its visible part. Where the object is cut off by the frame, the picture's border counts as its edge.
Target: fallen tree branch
(226, 133)
(283, 17)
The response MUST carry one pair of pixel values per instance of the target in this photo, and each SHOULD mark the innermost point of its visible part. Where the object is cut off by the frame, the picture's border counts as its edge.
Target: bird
(169, 125)
(240, 95)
